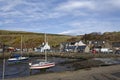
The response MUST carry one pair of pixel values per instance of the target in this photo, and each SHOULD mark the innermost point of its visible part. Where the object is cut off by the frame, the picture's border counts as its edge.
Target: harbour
(19, 70)
(59, 39)
(14, 70)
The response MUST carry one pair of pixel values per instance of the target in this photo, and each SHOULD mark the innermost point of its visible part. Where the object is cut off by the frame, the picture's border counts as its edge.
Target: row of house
(77, 46)
(40, 48)
(91, 46)
(103, 46)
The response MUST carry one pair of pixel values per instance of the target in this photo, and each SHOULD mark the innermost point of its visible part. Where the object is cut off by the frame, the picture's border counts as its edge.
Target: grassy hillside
(30, 39)
(107, 36)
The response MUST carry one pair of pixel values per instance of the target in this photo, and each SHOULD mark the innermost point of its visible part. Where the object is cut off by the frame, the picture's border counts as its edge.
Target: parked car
(94, 51)
(106, 50)
(117, 52)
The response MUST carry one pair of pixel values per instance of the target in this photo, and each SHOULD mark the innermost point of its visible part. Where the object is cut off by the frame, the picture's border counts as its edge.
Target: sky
(73, 17)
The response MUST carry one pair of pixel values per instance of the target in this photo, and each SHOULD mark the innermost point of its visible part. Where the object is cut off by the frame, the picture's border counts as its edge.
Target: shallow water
(109, 61)
(14, 70)
(62, 64)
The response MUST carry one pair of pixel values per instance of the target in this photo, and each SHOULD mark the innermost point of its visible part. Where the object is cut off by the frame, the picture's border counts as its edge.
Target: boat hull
(19, 59)
(42, 66)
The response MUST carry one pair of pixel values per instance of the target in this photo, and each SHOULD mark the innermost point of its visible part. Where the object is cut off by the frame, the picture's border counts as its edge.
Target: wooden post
(30, 71)
(3, 75)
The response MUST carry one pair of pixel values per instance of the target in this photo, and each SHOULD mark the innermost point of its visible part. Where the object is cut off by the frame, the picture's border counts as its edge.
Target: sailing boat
(18, 57)
(42, 64)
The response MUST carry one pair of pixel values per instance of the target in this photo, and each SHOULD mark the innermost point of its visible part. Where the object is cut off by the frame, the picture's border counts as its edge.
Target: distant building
(101, 46)
(87, 49)
(6, 48)
(10, 49)
(116, 45)
(97, 44)
(78, 46)
(42, 47)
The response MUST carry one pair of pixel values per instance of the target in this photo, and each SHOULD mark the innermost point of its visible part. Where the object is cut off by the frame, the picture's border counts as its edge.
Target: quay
(64, 55)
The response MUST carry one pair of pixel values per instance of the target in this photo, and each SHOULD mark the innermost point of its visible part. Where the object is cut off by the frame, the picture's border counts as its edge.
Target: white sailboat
(43, 64)
(18, 58)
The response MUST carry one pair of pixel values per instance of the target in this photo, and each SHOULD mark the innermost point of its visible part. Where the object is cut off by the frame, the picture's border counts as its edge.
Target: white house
(43, 47)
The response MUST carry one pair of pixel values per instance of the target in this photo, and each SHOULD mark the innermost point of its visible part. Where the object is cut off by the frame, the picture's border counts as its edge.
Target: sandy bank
(98, 73)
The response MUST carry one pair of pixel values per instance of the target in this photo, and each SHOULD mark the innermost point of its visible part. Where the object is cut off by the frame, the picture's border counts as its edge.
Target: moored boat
(42, 64)
(18, 57)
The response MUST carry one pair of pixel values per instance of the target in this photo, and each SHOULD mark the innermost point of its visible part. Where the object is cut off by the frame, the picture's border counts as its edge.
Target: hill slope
(107, 36)
(30, 40)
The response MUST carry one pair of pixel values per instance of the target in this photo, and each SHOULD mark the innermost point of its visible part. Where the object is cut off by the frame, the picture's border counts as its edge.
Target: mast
(45, 49)
(21, 44)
